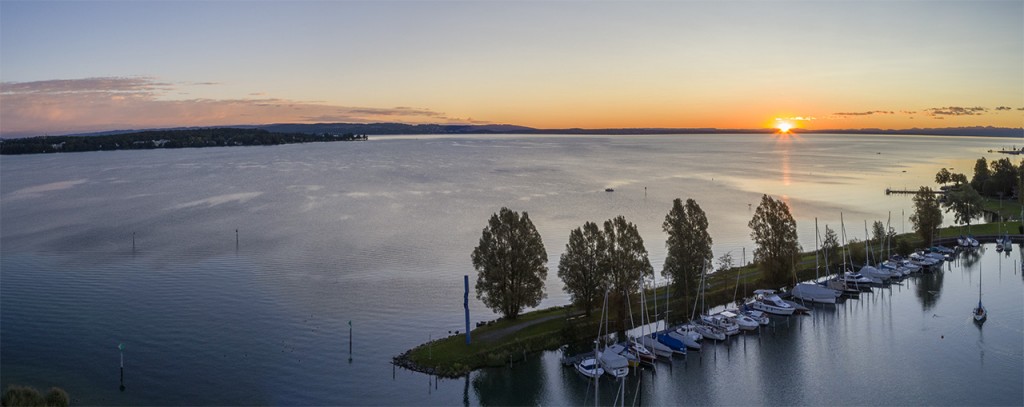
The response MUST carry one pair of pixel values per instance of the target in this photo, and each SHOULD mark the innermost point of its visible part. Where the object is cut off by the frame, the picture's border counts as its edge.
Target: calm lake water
(380, 233)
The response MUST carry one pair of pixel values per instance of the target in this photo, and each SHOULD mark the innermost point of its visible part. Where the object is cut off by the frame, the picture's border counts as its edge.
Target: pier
(890, 191)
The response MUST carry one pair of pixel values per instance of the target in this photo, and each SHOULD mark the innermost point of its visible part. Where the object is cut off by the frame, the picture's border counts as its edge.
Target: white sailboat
(980, 313)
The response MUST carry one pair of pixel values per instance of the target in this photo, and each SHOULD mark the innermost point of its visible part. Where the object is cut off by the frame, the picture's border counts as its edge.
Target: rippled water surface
(380, 233)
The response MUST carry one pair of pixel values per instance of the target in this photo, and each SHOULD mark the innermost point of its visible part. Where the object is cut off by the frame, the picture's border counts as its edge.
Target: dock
(890, 191)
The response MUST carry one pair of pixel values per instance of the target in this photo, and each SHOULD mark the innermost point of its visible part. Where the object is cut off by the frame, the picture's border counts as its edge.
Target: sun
(784, 126)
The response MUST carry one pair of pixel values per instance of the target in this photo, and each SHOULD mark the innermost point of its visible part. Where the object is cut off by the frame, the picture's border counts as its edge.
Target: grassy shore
(504, 342)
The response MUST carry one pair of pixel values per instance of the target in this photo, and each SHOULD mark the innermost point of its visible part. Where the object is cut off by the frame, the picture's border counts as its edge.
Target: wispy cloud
(96, 104)
(956, 111)
(1003, 108)
(867, 113)
(795, 119)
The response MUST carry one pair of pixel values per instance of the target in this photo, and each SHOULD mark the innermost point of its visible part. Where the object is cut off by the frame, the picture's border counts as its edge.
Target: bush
(28, 396)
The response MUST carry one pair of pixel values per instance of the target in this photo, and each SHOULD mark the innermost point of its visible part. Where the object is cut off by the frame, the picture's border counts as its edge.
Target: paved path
(508, 330)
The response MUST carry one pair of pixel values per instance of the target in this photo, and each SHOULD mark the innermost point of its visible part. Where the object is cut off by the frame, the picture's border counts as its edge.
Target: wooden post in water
(465, 304)
(120, 348)
(350, 341)
(236, 249)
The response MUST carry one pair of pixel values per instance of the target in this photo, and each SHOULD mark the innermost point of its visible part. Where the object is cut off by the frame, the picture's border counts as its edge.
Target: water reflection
(969, 258)
(519, 385)
(928, 287)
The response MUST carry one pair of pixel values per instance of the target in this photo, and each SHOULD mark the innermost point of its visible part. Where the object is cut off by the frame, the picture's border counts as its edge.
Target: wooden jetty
(890, 191)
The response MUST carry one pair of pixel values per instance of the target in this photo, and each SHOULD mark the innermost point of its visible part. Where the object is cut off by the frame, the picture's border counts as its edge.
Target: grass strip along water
(509, 341)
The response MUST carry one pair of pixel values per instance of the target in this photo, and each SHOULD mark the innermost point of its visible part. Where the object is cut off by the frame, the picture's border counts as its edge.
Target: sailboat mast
(816, 236)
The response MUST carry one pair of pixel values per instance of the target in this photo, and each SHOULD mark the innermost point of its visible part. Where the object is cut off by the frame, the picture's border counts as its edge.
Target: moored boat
(768, 301)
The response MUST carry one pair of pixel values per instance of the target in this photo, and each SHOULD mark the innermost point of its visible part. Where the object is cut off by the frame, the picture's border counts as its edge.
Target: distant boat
(609, 190)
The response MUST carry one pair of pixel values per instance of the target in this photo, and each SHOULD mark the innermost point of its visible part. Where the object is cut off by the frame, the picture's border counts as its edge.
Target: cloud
(108, 85)
(956, 111)
(795, 119)
(1004, 108)
(867, 113)
(96, 104)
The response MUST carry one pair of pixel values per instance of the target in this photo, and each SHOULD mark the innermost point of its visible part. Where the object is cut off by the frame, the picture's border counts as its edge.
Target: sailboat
(614, 364)
(980, 313)
(815, 292)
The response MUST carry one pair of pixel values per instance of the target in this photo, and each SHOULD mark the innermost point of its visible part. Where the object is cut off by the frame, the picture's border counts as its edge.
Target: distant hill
(402, 128)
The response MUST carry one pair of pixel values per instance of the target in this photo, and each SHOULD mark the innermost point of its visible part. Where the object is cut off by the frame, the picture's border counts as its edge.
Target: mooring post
(465, 304)
(120, 348)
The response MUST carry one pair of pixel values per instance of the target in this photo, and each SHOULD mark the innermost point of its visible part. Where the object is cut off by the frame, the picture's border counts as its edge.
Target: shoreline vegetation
(505, 341)
(166, 139)
(287, 133)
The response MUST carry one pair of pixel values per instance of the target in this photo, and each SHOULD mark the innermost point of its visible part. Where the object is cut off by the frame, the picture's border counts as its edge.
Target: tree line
(153, 139)
(511, 261)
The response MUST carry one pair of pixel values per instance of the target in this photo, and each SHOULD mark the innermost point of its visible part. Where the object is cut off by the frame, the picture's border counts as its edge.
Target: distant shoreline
(438, 129)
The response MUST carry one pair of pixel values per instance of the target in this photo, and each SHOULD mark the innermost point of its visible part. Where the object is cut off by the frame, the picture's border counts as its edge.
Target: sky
(82, 66)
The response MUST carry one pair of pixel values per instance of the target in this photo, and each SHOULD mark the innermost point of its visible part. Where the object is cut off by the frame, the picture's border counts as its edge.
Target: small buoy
(942, 337)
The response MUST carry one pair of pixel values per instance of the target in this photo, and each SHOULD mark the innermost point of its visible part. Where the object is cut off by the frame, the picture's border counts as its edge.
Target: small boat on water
(614, 364)
(654, 346)
(721, 322)
(768, 301)
(609, 190)
(590, 368)
(708, 331)
(688, 334)
(760, 317)
(677, 345)
(744, 322)
(815, 293)
(980, 313)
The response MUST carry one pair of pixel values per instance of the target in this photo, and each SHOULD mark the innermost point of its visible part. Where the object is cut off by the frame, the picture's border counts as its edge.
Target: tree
(981, 174)
(624, 264)
(688, 247)
(958, 179)
(1003, 178)
(830, 246)
(943, 177)
(965, 203)
(725, 262)
(773, 229)
(578, 266)
(511, 263)
(927, 216)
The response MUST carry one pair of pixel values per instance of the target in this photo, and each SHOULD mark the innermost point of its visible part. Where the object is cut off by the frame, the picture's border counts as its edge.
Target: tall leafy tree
(511, 264)
(981, 174)
(773, 229)
(688, 247)
(965, 203)
(1003, 178)
(578, 266)
(878, 235)
(958, 179)
(830, 246)
(927, 215)
(943, 177)
(625, 263)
